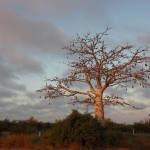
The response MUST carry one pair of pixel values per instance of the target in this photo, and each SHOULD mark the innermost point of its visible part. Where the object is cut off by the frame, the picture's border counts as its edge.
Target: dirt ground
(66, 149)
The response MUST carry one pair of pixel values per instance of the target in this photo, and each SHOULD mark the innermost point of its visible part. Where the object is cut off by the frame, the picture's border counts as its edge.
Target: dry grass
(15, 141)
(22, 142)
(32, 142)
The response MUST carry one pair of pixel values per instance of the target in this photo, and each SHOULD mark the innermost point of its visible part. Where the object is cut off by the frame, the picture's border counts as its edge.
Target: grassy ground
(33, 142)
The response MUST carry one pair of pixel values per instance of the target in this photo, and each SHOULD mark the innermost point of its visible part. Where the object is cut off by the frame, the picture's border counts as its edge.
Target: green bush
(83, 129)
(113, 138)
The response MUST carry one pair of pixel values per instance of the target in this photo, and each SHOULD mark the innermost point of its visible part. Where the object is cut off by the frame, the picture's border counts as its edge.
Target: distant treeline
(137, 127)
(32, 125)
(23, 126)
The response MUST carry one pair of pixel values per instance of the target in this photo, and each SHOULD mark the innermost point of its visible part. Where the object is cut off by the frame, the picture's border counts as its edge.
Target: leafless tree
(99, 67)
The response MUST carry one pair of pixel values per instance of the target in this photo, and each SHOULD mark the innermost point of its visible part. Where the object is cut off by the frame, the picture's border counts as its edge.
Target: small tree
(82, 129)
(98, 67)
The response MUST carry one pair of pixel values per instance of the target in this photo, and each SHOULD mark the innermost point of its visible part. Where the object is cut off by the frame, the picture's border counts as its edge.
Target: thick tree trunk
(99, 112)
(99, 108)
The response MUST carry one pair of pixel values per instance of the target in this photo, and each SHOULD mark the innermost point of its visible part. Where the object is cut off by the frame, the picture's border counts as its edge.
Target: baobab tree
(93, 64)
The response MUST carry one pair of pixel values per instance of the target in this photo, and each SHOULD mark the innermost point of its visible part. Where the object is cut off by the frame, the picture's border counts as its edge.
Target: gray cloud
(5, 105)
(64, 7)
(15, 61)
(41, 110)
(23, 44)
(7, 76)
(144, 93)
(117, 91)
(124, 115)
(143, 39)
(29, 35)
(94, 13)
(32, 95)
(14, 64)
(6, 93)
(20, 40)
(138, 104)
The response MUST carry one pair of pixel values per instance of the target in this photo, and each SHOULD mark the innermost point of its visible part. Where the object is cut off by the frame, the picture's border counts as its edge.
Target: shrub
(83, 129)
(113, 138)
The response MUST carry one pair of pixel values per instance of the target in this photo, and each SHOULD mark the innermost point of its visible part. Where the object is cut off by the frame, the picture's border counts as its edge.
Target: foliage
(142, 127)
(119, 127)
(77, 132)
(83, 129)
(25, 126)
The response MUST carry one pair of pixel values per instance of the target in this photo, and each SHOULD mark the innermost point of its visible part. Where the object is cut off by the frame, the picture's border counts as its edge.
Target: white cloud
(123, 115)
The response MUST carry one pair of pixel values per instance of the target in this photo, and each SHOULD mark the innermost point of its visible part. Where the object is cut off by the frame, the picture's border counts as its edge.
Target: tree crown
(100, 67)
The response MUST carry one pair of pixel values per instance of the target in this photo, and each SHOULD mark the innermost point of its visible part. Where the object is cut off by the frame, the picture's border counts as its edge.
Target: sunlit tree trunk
(99, 107)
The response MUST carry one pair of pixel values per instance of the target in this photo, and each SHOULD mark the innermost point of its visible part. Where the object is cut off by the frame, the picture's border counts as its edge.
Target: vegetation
(77, 132)
(28, 126)
(82, 129)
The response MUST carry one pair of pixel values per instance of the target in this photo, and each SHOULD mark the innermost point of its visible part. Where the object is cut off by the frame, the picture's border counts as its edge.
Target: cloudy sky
(32, 34)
